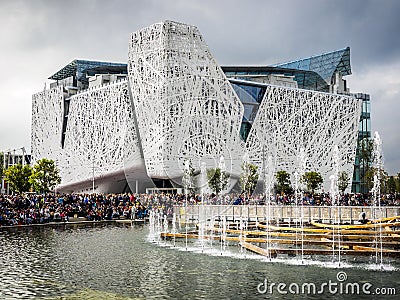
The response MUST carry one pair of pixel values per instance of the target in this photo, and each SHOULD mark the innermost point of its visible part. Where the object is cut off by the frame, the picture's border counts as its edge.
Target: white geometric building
(173, 103)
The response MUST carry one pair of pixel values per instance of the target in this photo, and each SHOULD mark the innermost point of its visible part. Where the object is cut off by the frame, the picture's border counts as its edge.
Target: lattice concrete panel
(290, 119)
(186, 108)
(100, 133)
(47, 115)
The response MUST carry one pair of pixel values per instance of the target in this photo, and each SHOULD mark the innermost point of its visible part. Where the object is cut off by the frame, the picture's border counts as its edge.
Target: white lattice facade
(186, 108)
(177, 105)
(47, 118)
(100, 133)
(291, 119)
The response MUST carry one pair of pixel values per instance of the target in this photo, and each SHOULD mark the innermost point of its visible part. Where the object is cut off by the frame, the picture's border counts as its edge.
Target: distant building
(10, 158)
(115, 127)
(359, 183)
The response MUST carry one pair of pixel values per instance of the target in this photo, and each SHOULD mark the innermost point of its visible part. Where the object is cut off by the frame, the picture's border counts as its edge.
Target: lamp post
(222, 168)
(95, 169)
(93, 177)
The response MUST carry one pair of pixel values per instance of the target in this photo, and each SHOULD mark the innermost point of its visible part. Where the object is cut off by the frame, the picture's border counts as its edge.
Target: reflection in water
(112, 262)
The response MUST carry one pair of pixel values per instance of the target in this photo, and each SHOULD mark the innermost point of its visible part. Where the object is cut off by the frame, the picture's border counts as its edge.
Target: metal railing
(282, 213)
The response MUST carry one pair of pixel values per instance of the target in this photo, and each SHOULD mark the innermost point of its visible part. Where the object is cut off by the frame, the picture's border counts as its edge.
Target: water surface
(118, 262)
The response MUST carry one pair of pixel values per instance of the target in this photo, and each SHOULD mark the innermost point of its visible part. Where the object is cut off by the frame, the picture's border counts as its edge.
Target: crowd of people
(38, 209)
(21, 209)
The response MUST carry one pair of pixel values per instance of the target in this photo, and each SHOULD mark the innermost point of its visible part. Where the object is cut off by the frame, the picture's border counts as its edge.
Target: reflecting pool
(118, 262)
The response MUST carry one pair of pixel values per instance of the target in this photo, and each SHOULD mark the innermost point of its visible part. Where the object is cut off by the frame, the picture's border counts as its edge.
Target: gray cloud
(39, 37)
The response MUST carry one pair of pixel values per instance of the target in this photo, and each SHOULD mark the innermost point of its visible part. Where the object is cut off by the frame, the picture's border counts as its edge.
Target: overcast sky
(38, 37)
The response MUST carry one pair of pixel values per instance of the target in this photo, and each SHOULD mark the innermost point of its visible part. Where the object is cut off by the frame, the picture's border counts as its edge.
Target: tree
(398, 183)
(343, 181)
(217, 179)
(383, 178)
(45, 176)
(391, 184)
(188, 178)
(17, 177)
(249, 177)
(365, 153)
(1, 167)
(369, 178)
(1, 164)
(313, 180)
(283, 182)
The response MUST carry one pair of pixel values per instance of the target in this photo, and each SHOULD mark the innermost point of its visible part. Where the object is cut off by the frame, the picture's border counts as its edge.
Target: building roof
(305, 79)
(314, 72)
(324, 64)
(81, 68)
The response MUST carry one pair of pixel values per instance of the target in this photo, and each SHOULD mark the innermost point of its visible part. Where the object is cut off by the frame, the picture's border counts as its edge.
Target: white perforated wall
(291, 119)
(186, 108)
(47, 115)
(100, 133)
